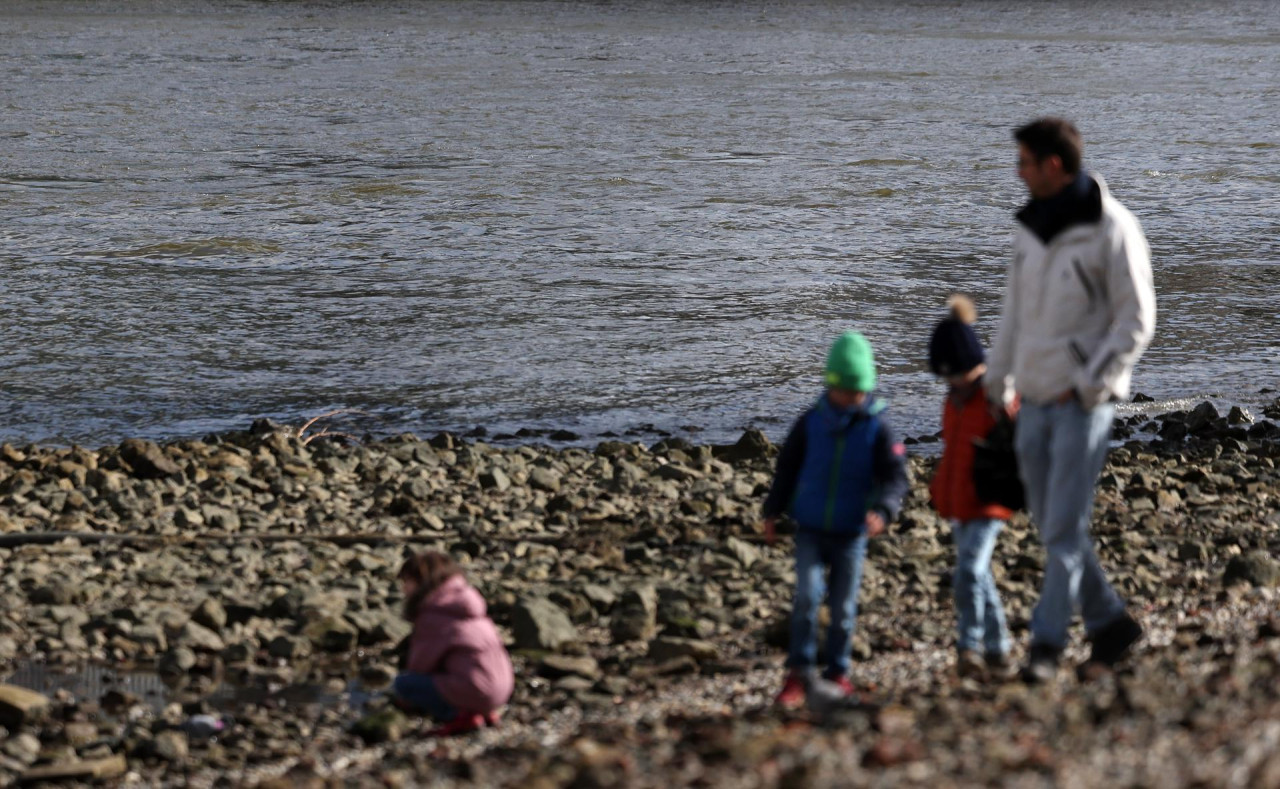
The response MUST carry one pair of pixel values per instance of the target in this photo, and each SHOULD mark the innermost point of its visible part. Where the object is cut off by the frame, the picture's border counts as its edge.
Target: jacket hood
(455, 598)
(1080, 203)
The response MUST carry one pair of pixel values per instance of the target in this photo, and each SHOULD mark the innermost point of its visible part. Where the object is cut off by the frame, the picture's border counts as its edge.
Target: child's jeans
(420, 692)
(815, 552)
(979, 615)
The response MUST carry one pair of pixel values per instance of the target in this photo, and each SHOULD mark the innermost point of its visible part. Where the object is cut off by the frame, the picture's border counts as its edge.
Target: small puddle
(228, 693)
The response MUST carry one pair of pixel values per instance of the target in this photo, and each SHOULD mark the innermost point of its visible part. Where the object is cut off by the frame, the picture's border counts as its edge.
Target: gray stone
(86, 769)
(540, 624)
(25, 747)
(544, 479)
(601, 598)
(556, 666)
(746, 553)
(147, 460)
(385, 725)
(198, 636)
(333, 634)
(188, 518)
(1256, 568)
(1201, 417)
(1239, 416)
(753, 445)
(178, 660)
(170, 745)
(19, 706)
(664, 648)
(211, 614)
(494, 479)
(635, 616)
(289, 647)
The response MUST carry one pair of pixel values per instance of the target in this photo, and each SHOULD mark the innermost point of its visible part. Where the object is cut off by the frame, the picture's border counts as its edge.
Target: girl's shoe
(493, 720)
(793, 691)
(466, 722)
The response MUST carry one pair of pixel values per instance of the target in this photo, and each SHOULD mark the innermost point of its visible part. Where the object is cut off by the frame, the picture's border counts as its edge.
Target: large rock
(333, 634)
(83, 770)
(540, 624)
(384, 725)
(664, 648)
(557, 666)
(544, 479)
(753, 445)
(635, 616)
(1201, 417)
(19, 706)
(170, 745)
(746, 553)
(147, 460)
(211, 614)
(1256, 568)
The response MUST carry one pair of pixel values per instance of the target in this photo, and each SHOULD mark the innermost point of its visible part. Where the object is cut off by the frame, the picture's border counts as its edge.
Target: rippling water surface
(589, 215)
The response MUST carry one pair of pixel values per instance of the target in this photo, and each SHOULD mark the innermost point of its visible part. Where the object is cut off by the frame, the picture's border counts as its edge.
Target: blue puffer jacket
(836, 466)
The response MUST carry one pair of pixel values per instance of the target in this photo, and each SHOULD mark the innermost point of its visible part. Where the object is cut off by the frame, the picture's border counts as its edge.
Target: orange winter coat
(952, 488)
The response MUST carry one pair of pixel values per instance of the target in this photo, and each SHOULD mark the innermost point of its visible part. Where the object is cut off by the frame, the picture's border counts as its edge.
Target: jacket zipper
(1084, 281)
(1081, 359)
(1049, 249)
(835, 480)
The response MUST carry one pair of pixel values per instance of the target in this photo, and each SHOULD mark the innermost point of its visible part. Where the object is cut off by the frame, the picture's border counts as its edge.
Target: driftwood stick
(223, 538)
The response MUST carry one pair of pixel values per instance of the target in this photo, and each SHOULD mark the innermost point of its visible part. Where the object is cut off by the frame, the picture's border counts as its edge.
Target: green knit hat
(850, 364)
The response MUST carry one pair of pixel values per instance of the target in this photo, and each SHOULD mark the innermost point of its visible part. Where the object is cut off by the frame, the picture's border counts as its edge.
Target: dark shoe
(1111, 642)
(999, 666)
(970, 664)
(1042, 664)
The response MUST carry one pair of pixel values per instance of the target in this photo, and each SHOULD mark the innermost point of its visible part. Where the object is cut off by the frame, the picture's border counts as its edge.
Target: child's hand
(770, 531)
(875, 524)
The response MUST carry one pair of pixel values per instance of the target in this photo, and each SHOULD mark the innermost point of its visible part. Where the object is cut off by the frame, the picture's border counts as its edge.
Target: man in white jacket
(1079, 309)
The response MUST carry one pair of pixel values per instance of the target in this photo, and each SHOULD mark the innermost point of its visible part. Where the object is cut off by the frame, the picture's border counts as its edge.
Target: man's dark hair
(1046, 137)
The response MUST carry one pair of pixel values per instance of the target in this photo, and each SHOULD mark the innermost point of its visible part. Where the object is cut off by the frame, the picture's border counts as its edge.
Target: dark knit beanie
(954, 348)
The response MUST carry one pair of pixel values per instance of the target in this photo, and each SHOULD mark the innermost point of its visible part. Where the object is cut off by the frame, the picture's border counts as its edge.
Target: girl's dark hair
(428, 569)
(1059, 137)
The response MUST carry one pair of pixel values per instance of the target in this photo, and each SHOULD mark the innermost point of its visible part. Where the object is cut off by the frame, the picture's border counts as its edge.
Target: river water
(594, 216)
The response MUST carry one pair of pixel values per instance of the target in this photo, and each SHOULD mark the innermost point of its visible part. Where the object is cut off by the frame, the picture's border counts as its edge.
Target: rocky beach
(250, 578)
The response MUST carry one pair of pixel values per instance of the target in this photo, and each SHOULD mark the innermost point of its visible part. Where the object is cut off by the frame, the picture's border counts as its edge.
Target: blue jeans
(1061, 448)
(815, 552)
(420, 692)
(979, 615)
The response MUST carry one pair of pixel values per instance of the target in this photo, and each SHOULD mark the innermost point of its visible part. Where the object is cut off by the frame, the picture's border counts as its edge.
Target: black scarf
(1079, 203)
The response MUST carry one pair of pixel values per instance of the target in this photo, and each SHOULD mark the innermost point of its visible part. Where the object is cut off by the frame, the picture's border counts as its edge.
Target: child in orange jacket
(956, 355)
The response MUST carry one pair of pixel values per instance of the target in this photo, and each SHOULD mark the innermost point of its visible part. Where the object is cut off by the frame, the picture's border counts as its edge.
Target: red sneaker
(842, 680)
(493, 720)
(459, 725)
(793, 692)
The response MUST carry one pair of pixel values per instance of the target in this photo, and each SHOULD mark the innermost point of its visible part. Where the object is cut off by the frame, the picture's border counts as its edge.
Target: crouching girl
(457, 671)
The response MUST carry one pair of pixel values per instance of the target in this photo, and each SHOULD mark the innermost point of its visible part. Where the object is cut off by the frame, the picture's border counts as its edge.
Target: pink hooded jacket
(456, 643)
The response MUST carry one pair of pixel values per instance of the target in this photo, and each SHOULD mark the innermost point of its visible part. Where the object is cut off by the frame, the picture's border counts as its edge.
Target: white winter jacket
(1077, 313)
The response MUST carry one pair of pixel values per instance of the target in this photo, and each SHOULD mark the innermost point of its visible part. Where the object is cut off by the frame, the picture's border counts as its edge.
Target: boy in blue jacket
(841, 475)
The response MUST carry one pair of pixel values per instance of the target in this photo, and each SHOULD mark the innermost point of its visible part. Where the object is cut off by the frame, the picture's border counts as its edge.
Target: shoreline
(643, 612)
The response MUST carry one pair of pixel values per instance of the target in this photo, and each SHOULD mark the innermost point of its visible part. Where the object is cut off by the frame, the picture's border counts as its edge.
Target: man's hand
(770, 531)
(1068, 396)
(875, 524)
(1001, 410)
